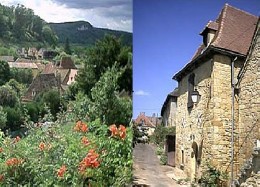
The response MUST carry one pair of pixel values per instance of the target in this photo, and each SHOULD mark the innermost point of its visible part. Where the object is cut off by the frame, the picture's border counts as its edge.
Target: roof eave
(178, 76)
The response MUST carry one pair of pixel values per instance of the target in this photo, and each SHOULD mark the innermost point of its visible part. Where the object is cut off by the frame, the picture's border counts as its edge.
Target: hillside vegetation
(18, 24)
(82, 32)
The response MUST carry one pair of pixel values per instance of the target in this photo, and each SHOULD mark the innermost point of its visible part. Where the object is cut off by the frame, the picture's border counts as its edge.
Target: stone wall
(190, 122)
(207, 125)
(249, 104)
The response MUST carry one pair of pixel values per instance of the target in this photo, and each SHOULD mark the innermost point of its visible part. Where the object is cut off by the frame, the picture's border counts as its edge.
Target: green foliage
(105, 104)
(163, 159)
(104, 55)
(18, 88)
(33, 111)
(8, 96)
(3, 118)
(51, 99)
(46, 149)
(67, 49)
(24, 76)
(160, 132)
(212, 176)
(19, 24)
(86, 37)
(14, 118)
(4, 72)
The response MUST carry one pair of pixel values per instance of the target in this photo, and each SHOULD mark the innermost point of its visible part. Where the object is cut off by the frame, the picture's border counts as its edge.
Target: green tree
(24, 76)
(4, 72)
(67, 47)
(3, 118)
(105, 102)
(14, 118)
(8, 96)
(103, 55)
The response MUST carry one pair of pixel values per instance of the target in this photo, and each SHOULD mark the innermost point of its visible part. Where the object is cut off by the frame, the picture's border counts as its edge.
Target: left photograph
(66, 93)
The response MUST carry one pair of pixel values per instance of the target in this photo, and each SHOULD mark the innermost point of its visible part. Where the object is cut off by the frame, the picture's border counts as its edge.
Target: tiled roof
(236, 30)
(49, 68)
(7, 58)
(43, 82)
(234, 33)
(211, 25)
(23, 65)
(67, 63)
(146, 120)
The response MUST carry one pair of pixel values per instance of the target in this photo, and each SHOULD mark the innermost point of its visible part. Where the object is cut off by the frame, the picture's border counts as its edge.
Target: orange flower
(61, 171)
(113, 130)
(118, 132)
(13, 161)
(80, 126)
(90, 161)
(77, 126)
(17, 139)
(122, 132)
(1, 149)
(2, 178)
(42, 146)
(84, 127)
(85, 141)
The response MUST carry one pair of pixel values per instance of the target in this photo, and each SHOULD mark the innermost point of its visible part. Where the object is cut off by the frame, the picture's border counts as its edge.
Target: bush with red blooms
(74, 154)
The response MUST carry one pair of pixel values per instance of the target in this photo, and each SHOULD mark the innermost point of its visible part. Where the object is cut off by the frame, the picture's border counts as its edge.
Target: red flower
(84, 127)
(1, 149)
(2, 178)
(122, 132)
(61, 171)
(80, 126)
(42, 146)
(118, 132)
(85, 141)
(13, 161)
(113, 129)
(17, 139)
(90, 161)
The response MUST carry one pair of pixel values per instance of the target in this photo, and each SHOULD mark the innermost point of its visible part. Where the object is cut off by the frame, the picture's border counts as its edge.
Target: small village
(208, 132)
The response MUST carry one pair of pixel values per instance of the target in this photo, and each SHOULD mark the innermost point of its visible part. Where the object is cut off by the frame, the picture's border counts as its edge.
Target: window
(190, 89)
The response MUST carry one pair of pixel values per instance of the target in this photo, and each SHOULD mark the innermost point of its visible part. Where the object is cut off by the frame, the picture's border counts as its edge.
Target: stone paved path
(147, 168)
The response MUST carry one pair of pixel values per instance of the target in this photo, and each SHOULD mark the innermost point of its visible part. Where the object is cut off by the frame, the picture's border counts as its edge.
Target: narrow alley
(147, 168)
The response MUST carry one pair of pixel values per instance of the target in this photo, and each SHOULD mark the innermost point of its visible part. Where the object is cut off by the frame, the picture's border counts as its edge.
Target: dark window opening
(191, 84)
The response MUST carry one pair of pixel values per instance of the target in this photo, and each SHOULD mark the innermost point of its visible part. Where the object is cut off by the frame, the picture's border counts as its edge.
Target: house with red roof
(215, 124)
(147, 122)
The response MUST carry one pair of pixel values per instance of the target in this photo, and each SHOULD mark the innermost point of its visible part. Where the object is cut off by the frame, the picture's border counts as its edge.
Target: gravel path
(147, 168)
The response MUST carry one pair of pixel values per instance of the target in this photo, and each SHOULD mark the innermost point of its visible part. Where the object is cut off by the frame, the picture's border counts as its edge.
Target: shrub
(71, 154)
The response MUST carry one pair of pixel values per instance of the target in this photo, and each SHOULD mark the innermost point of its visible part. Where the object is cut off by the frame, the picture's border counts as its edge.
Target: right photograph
(196, 90)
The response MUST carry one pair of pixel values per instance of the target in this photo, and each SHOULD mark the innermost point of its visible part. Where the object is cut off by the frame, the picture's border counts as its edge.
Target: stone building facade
(204, 129)
(169, 109)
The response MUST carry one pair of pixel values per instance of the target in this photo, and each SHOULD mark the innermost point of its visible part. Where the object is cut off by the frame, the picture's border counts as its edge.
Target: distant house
(169, 109)
(66, 70)
(42, 83)
(7, 58)
(147, 123)
(22, 63)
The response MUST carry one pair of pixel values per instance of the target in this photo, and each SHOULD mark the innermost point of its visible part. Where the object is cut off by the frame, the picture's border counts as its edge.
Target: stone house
(147, 123)
(204, 129)
(169, 109)
(65, 70)
(42, 83)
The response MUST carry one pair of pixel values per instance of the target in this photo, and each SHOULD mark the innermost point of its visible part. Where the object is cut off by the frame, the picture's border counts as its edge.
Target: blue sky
(165, 37)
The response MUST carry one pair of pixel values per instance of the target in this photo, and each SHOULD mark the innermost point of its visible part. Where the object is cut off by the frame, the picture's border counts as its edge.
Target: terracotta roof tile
(236, 30)
(234, 33)
(24, 65)
(67, 63)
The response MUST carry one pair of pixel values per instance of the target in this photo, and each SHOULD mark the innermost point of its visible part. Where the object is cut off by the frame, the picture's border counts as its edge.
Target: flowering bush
(71, 154)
